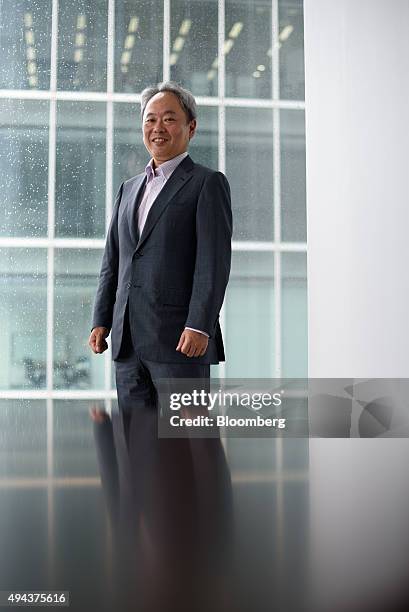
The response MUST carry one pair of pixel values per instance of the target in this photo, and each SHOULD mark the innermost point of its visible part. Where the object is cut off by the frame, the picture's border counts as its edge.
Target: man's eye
(169, 119)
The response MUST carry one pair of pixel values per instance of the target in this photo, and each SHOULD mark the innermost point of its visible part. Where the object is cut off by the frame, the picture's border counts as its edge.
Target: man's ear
(192, 128)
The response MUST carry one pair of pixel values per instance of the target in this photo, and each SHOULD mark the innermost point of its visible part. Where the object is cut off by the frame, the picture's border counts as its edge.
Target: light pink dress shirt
(155, 181)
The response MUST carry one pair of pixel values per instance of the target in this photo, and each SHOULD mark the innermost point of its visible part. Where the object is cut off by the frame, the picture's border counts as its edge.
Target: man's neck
(156, 163)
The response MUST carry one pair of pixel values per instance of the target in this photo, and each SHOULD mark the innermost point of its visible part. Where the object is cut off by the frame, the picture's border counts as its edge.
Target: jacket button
(128, 285)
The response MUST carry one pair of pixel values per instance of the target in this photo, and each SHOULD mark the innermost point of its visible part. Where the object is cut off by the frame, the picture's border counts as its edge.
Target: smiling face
(166, 128)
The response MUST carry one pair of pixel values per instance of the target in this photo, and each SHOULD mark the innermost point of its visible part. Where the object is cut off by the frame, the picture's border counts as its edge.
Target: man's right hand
(97, 340)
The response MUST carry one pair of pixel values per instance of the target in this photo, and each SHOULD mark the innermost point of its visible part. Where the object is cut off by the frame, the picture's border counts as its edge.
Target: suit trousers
(137, 378)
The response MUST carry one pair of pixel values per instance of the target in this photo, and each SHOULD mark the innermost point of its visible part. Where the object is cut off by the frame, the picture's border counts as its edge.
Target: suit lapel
(179, 178)
(134, 199)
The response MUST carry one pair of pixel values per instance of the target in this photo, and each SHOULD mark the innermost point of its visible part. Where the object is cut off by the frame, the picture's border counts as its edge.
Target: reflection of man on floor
(169, 552)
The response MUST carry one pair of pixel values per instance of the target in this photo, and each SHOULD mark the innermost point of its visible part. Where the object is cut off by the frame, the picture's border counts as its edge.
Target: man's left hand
(192, 343)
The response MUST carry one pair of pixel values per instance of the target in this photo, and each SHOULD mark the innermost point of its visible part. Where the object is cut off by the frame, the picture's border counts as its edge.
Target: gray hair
(186, 99)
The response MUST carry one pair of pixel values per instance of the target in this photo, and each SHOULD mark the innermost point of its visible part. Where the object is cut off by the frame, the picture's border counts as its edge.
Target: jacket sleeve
(108, 276)
(213, 253)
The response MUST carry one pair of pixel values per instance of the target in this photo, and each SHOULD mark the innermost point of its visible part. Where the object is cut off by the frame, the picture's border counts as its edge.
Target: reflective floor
(99, 507)
(125, 521)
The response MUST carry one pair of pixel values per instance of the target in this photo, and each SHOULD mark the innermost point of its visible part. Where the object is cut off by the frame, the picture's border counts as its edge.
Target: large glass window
(82, 45)
(291, 49)
(204, 147)
(23, 313)
(130, 156)
(138, 44)
(250, 316)
(25, 42)
(250, 166)
(66, 149)
(23, 165)
(247, 48)
(294, 315)
(80, 173)
(76, 274)
(293, 209)
(193, 46)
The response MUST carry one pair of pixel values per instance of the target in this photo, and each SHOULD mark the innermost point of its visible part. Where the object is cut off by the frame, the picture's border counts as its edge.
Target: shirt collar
(166, 169)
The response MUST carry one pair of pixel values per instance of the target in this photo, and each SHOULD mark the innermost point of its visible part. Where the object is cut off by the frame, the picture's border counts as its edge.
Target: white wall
(357, 130)
(357, 125)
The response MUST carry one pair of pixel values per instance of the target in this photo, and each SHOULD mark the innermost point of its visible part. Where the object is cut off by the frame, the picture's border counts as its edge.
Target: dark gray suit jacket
(174, 274)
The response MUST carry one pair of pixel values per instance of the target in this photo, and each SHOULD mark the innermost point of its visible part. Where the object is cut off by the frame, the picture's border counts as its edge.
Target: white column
(357, 129)
(357, 124)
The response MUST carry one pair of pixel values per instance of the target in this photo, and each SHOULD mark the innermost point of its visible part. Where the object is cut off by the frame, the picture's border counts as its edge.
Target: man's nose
(159, 127)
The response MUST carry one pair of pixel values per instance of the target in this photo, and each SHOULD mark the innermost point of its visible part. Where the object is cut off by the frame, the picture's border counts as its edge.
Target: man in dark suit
(167, 258)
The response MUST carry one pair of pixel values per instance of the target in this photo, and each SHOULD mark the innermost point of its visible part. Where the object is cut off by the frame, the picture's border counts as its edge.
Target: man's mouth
(159, 140)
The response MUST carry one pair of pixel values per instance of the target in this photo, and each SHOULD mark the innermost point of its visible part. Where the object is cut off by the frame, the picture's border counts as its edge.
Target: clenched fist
(192, 343)
(97, 340)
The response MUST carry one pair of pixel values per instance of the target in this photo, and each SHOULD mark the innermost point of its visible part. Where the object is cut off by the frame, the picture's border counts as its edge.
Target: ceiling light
(129, 41)
(215, 63)
(285, 32)
(124, 68)
(228, 44)
(28, 20)
(256, 74)
(33, 81)
(79, 39)
(133, 24)
(178, 44)
(173, 58)
(236, 29)
(261, 67)
(78, 55)
(185, 27)
(211, 74)
(30, 53)
(81, 22)
(125, 57)
(31, 67)
(29, 35)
